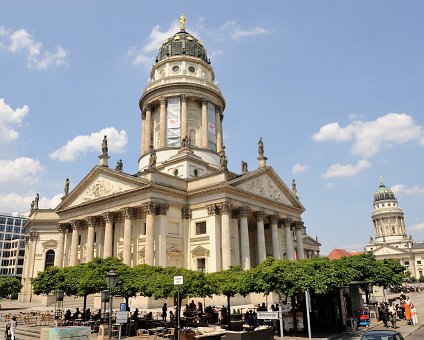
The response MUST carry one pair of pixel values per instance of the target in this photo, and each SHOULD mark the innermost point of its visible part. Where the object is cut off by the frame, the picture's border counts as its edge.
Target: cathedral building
(390, 237)
(183, 207)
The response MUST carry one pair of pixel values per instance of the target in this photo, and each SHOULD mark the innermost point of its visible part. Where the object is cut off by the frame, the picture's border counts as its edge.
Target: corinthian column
(204, 123)
(162, 221)
(288, 238)
(143, 134)
(149, 252)
(162, 139)
(148, 129)
(58, 260)
(298, 225)
(244, 237)
(219, 141)
(126, 251)
(184, 98)
(275, 239)
(108, 243)
(74, 243)
(261, 236)
(90, 238)
(225, 209)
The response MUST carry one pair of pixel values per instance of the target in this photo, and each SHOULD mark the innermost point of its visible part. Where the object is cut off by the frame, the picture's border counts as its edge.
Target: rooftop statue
(260, 147)
(104, 146)
(119, 166)
(66, 189)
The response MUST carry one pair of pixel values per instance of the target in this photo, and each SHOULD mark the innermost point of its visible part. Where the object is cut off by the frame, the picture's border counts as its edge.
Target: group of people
(404, 310)
(87, 315)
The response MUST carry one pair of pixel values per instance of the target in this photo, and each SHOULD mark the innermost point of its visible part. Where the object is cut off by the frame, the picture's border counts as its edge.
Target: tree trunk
(127, 303)
(293, 301)
(84, 308)
(228, 312)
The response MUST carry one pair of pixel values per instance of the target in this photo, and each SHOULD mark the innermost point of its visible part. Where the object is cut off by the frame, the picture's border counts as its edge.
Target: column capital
(184, 97)
(147, 107)
(244, 211)
(225, 207)
(62, 228)
(163, 100)
(108, 217)
(76, 224)
(162, 208)
(186, 213)
(33, 236)
(286, 222)
(149, 208)
(259, 215)
(90, 221)
(127, 213)
(212, 209)
(204, 101)
(274, 219)
(298, 224)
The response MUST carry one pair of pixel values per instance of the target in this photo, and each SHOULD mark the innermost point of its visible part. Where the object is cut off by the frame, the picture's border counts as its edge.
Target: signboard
(178, 280)
(285, 308)
(267, 315)
(121, 317)
(123, 307)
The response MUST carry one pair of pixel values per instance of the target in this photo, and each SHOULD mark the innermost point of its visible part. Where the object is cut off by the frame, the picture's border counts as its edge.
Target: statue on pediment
(244, 167)
(223, 160)
(105, 149)
(37, 198)
(32, 205)
(66, 189)
(119, 166)
(152, 158)
(260, 147)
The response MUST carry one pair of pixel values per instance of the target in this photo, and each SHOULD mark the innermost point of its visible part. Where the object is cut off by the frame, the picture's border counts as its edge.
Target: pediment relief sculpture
(49, 244)
(200, 251)
(266, 187)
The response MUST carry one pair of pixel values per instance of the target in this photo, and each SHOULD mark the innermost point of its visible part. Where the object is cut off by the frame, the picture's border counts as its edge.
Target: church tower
(182, 111)
(389, 225)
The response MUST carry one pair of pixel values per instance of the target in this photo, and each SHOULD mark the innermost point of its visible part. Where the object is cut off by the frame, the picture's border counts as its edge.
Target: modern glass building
(12, 244)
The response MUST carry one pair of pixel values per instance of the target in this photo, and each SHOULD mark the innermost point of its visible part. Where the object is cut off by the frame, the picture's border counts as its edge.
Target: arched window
(49, 259)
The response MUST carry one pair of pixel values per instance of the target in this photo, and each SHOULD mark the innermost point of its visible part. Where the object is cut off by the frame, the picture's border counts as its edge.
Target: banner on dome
(174, 122)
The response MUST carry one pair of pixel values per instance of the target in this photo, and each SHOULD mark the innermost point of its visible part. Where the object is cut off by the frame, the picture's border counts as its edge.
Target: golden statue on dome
(182, 22)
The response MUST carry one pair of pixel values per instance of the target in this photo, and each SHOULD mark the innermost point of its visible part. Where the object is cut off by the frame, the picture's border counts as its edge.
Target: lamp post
(111, 280)
(59, 304)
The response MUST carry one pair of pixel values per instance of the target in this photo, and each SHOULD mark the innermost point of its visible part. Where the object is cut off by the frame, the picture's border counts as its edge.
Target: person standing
(384, 313)
(164, 311)
(392, 314)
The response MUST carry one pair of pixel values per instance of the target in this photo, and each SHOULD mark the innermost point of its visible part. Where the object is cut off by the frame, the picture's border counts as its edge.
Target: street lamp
(59, 304)
(111, 280)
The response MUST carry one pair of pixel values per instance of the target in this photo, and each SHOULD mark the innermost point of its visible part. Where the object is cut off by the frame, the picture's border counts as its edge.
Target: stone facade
(182, 208)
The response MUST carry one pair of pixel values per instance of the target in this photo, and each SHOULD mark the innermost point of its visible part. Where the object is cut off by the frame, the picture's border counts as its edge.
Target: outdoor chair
(142, 334)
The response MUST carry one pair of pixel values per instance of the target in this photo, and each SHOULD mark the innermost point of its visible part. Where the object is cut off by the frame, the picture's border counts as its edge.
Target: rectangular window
(406, 263)
(201, 228)
(20, 262)
(19, 271)
(9, 229)
(79, 240)
(2, 220)
(418, 262)
(21, 252)
(18, 222)
(16, 230)
(10, 221)
(1, 227)
(201, 265)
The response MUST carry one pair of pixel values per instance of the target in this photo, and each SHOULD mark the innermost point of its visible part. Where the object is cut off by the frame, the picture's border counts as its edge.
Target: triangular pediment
(388, 251)
(101, 183)
(200, 251)
(266, 183)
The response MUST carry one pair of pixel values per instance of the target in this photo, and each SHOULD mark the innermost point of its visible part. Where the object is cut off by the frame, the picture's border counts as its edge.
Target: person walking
(384, 313)
(13, 324)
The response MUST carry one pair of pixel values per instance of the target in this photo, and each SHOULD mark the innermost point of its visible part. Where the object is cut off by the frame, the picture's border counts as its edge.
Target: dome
(182, 43)
(383, 193)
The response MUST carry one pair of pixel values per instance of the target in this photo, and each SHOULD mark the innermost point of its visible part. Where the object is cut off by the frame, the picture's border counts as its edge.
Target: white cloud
(346, 170)
(145, 55)
(37, 58)
(417, 227)
(22, 204)
(9, 119)
(233, 29)
(353, 247)
(298, 168)
(369, 137)
(21, 171)
(416, 190)
(80, 145)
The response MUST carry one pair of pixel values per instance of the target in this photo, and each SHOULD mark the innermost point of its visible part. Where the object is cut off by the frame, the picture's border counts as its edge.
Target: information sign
(123, 307)
(285, 308)
(121, 317)
(267, 315)
(178, 280)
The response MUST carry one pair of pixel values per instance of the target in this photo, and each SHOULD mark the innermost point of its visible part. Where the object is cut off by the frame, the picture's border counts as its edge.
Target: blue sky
(335, 88)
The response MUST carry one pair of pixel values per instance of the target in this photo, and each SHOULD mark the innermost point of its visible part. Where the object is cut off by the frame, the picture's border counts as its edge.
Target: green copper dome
(383, 193)
(182, 43)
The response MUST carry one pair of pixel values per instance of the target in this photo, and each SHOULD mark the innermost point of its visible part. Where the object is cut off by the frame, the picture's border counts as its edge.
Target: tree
(229, 283)
(48, 281)
(9, 286)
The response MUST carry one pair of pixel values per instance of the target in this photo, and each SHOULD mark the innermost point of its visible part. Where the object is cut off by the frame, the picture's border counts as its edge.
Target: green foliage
(48, 281)
(388, 272)
(229, 282)
(9, 285)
